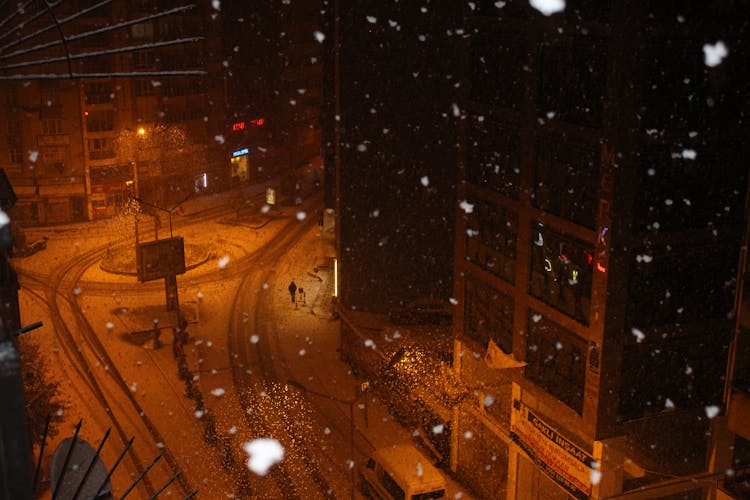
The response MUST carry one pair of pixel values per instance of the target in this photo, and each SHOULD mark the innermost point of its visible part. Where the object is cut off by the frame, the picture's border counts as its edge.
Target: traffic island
(121, 259)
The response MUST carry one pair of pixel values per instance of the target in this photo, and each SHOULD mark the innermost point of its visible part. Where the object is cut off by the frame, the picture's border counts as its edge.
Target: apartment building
(106, 102)
(598, 220)
(274, 85)
(598, 230)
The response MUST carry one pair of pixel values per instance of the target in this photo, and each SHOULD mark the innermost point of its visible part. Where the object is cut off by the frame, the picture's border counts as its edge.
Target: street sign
(161, 258)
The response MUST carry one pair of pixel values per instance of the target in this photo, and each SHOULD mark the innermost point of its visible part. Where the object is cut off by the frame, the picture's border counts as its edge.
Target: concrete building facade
(598, 219)
(274, 85)
(115, 102)
(598, 230)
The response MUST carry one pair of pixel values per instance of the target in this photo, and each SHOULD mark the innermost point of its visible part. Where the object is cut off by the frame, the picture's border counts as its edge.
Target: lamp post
(136, 147)
(168, 210)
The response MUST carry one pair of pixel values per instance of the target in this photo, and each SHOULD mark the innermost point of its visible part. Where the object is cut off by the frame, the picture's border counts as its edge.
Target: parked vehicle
(28, 250)
(401, 472)
(423, 312)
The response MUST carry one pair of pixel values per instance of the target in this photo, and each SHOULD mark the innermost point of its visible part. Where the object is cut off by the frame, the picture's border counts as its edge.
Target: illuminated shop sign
(240, 152)
(256, 122)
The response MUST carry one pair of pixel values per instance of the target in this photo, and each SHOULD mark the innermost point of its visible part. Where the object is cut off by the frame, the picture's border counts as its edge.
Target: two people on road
(293, 294)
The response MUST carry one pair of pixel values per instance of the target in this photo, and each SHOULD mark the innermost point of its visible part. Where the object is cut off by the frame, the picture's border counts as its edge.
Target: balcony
(53, 140)
(99, 98)
(102, 154)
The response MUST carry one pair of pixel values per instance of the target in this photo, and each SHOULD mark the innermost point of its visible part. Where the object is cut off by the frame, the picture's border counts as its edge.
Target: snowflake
(548, 7)
(263, 454)
(714, 54)
(466, 207)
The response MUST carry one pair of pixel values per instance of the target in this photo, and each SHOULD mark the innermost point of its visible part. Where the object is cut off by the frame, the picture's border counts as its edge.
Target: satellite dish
(76, 467)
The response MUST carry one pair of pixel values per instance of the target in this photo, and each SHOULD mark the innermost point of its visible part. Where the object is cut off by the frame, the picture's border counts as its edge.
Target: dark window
(143, 87)
(143, 59)
(174, 88)
(682, 284)
(391, 486)
(497, 74)
(16, 155)
(427, 496)
(572, 80)
(100, 149)
(698, 94)
(688, 371)
(488, 314)
(48, 97)
(97, 65)
(142, 31)
(11, 96)
(492, 234)
(677, 193)
(98, 121)
(99, 92)
(556, 361)
(14, 132)
(493, 156)
(561, 271)
(589, 10)
(493, 8)
(567, 180)
(52, 126)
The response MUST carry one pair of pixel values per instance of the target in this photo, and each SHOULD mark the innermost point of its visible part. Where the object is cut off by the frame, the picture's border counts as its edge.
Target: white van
(401, 472)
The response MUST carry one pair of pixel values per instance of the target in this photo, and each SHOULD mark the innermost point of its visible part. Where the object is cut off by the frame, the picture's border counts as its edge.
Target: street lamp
(168, 210)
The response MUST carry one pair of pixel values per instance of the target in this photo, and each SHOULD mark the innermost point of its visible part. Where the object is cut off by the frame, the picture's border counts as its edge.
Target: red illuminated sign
(257, 122)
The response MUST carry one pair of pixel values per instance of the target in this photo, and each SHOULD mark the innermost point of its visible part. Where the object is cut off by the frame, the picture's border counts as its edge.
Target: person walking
(293, 291)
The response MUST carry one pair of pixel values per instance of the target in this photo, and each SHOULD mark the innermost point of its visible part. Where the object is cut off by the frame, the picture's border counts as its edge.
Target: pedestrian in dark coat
(292, 290)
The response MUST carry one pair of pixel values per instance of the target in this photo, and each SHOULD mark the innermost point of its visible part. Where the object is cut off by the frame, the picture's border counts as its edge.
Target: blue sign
(240, 152)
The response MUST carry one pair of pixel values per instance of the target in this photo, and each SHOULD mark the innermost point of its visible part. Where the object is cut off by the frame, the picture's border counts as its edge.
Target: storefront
(108, 199)
(240, 165)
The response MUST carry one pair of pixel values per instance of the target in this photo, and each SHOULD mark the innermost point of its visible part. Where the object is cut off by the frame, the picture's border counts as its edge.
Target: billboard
(564, 462)
(161, 258)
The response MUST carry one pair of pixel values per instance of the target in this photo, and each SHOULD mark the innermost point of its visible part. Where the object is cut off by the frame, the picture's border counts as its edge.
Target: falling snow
(548, 7)
(263, 454)
(714, 54)
(712, 411)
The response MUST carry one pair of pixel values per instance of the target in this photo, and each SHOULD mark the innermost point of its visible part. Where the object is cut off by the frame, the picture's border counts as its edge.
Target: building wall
(396, 169)
(42, 152)
(275, 72)
(580, 225)
(83, 130)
